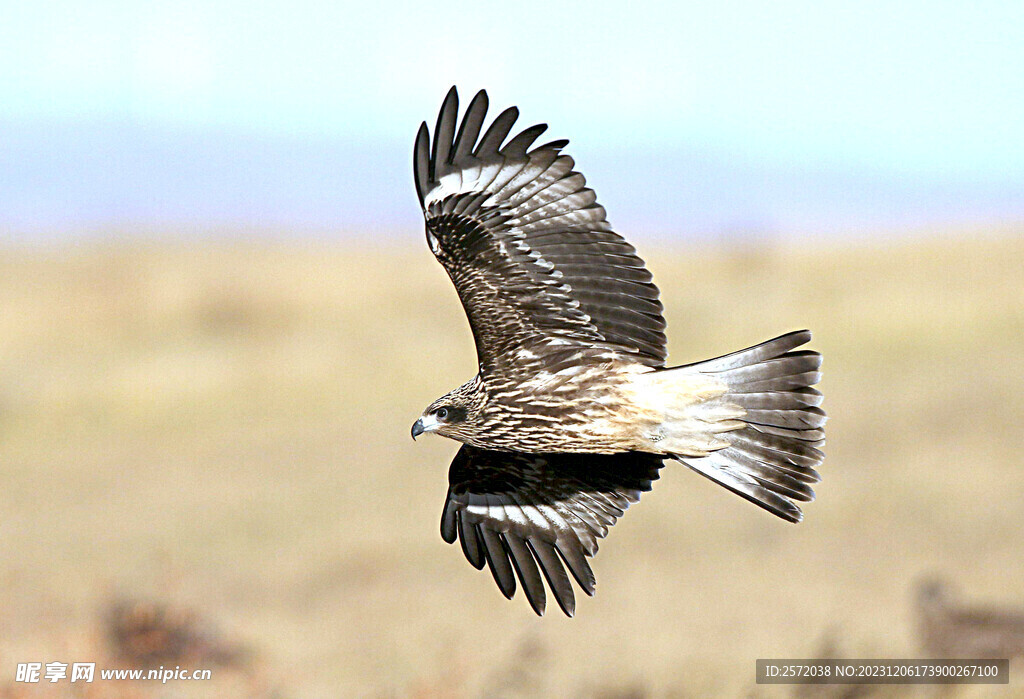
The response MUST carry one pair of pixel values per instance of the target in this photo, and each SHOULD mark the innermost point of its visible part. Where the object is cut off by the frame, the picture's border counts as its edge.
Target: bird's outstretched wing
(533, 259)
(526, 515)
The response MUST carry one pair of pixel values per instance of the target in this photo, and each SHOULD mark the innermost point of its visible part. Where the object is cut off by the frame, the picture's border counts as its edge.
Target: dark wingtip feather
(554, 573)
(469, 130)
(497, 132)
(421, 161)
(578, 566)
(448, 520)
(529, 575)
(444, 133)
(471, 545)
(554, 145)
(497, 561)
(517, 147)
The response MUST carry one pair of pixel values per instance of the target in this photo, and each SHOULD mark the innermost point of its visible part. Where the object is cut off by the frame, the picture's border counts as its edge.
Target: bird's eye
(441, 413)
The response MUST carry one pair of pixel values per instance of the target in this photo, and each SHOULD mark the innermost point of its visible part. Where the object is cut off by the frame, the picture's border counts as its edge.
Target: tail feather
(771, 461)
(720, 469)
(778, 400)
(767, 474)
(799, 419)
(780, 450)
(780, 383)
(814, 437)
(799, 362)
(758, 353)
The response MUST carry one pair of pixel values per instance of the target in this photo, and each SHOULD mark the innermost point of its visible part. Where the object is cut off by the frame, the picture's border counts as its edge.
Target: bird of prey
(573, 410)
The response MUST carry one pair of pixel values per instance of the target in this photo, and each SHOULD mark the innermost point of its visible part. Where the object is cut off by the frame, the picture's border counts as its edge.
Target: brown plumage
(949, 630)
(573, 409)
(147, 634)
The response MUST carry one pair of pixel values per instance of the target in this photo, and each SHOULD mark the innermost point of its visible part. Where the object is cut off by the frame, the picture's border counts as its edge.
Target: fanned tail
(771, 460)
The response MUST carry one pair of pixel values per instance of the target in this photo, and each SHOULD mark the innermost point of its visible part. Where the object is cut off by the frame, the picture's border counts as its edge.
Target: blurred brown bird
(146, 634)
(573, 410)
(948, 630)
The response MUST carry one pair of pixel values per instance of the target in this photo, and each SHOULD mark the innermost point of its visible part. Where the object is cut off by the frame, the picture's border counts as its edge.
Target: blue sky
(807, 117)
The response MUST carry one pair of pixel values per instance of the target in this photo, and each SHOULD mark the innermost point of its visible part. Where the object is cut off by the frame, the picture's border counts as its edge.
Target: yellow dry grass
(225, 426)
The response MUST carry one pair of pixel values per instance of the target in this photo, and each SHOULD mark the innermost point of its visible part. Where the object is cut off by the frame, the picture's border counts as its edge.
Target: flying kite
(573, 411)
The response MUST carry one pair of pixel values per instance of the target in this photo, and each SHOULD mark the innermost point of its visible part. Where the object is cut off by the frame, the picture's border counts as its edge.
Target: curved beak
(427, 423)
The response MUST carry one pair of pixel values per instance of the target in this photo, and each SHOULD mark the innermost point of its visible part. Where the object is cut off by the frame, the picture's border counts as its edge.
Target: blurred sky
(690, 119)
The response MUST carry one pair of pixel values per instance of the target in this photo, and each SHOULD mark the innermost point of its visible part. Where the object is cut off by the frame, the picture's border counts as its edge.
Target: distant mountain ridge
(66, 179)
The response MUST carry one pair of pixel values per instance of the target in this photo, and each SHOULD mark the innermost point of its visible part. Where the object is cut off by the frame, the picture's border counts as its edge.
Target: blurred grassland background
(224, 426)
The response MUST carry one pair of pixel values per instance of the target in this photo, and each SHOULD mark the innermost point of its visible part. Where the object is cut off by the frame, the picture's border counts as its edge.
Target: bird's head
(450, 415)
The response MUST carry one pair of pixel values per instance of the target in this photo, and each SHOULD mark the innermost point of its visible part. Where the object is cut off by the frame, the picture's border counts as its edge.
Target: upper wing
(531, 255)
(529, 513)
